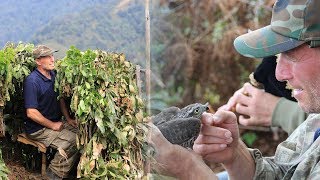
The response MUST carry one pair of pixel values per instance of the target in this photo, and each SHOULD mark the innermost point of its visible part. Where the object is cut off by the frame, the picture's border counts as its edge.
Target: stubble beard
(312, 104)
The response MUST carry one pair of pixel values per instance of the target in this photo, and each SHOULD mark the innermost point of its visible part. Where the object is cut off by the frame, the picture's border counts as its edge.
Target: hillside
(21, 19)
(97, 27)
(85, 24)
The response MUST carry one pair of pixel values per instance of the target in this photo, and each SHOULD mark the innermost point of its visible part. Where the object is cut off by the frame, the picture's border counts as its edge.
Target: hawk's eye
(196, 111)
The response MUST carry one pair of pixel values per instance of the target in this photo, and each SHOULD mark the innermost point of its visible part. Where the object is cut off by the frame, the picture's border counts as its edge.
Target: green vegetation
(16, 62)
(105, 100)
(197, 59)
(249, 138)
(4, 171)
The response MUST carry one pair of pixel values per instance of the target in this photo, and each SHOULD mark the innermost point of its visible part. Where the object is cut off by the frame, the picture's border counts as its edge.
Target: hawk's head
(193, 110)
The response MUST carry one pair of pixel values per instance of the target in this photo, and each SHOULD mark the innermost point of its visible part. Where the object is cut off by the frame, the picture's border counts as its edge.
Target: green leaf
(87, 85)
(82, 105)
(249, 138)
(83, 73)
(98, 118)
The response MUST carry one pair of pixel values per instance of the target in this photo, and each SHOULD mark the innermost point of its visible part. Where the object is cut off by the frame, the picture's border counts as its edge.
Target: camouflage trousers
(65, 140)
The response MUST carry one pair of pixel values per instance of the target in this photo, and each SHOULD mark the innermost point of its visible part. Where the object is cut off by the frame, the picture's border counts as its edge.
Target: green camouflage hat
(293, 23)
(42, 51)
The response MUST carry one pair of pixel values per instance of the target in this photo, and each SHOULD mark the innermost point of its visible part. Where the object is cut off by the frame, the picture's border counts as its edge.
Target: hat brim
(264, 42)
(48, 53)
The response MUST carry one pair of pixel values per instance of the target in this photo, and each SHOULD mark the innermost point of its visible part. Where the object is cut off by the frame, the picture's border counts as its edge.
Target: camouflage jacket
(295, 158)
(292, 117)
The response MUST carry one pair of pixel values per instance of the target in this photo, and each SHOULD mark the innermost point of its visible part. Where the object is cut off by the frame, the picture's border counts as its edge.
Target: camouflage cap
(294, 22)
(42, 51)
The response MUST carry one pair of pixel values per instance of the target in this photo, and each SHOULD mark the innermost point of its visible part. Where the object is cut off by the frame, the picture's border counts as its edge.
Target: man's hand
(219, 142)
(254, 105)
(57, 126)
(72, 122)
(176, 161)
(218, 138)
(37, 117)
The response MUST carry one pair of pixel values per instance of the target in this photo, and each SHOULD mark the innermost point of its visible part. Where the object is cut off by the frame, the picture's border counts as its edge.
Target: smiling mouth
(296, 92)
(288, 86)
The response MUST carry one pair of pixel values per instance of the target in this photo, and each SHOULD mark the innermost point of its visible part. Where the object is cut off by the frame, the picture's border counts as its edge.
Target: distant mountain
(21, 18)
(98, 27)
(94, 24)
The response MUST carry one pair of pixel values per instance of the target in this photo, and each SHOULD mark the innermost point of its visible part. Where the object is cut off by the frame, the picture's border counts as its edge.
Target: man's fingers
(238, 98)
(155, 136)
(211, 133)
(231, 103)
(204, 149)
(213, 140)
(233, 100)
(243, 99)
(226, 117)
(241, 109)
(221, 116)
(225, 107)
(248, 121)
(215, 131)
(245, 121)
(73, 123)
(208, 119)
(249, 88)
(61, 127)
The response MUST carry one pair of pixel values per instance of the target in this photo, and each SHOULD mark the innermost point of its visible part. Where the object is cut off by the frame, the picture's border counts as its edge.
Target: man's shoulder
(32, 77)
(53, 73)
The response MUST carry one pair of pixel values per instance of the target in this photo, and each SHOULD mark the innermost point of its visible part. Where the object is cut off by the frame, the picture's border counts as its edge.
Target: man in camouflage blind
(294, 33)
(44, 113)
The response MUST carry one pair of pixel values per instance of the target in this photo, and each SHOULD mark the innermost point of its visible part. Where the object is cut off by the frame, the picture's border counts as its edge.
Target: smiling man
(299, 67)
(294, 33)
(44, 112)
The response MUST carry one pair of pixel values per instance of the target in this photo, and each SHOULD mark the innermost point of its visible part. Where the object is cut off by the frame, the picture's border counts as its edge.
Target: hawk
(180, 126)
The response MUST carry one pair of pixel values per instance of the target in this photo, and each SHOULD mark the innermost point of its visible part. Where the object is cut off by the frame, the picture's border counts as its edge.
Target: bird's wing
(181, 130)
(165, 115)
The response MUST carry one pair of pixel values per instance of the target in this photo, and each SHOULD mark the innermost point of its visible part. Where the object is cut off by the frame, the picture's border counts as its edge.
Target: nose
(283, 68)
(52, 58)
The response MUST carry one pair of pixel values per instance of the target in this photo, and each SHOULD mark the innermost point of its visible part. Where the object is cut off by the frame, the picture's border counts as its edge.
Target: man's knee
(65, 140)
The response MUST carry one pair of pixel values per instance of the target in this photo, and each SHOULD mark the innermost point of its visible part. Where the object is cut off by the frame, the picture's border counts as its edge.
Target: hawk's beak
(207, 106)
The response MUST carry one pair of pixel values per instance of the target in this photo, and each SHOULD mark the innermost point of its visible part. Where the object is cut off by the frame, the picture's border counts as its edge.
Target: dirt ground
(18, 171)
(13, 156)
